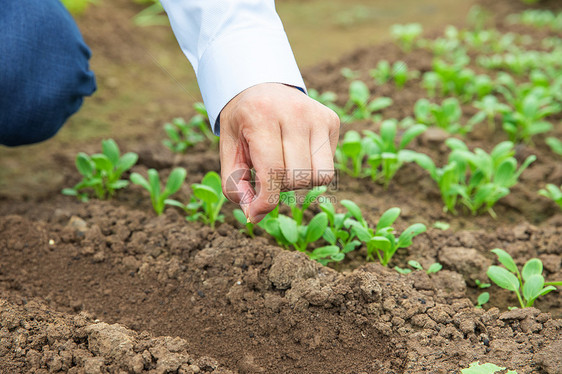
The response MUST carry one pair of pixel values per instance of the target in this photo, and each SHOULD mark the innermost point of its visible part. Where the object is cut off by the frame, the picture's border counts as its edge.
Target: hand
(288, 138)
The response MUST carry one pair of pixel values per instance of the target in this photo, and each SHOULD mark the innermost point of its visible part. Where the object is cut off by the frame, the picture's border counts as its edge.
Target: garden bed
(107, 286)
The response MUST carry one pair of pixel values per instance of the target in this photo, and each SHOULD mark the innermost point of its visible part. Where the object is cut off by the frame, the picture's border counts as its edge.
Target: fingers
(265, 149)
(323, 143)
(236, 173)
(297, 155)
(286, 137)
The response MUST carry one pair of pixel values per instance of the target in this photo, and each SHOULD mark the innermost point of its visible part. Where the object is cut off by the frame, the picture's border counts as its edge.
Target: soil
(108, 287)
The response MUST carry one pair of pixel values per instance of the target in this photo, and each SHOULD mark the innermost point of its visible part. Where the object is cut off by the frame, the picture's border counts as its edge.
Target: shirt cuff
(242, 59)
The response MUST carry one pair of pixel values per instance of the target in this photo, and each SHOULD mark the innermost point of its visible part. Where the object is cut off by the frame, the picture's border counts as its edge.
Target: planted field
(437, 248)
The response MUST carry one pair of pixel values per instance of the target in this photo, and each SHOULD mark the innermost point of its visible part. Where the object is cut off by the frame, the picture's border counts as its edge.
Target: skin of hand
(288, 139)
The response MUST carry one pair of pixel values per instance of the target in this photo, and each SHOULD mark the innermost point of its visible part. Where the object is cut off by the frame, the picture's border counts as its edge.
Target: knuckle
(333, 120)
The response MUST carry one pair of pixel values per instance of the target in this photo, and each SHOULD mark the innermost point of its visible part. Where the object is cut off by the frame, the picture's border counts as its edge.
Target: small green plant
(406, 35)
(206, 202)
(433, 268)
(243, 220)
(336, 233)
(358, 107)
(529, 110)
(293, 232)
(381, 240)
(455, 79)
(555, 145)
(326, 98)
(552, 192)
(287, 232)
(385, 158)
(349, 74)
(477, 178)
(446, 116)
(381, 151)
(352, 150)
(480, 284)
(490, 106)
(538, 18)
(297, 211)
(202, 119)
(528, 284)
(102, 172)
(182, 135)
(478, 368)
(442, 225)
(482, 299)
(399, 73)
(159, 196)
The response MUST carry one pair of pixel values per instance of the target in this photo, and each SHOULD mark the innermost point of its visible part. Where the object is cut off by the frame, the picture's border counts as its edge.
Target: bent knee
(45, 75)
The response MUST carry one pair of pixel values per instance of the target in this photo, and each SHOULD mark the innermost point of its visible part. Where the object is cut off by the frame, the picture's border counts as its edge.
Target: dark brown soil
(107, 287)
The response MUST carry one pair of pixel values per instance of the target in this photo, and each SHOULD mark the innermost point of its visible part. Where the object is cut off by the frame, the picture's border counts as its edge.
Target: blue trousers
(44, 70)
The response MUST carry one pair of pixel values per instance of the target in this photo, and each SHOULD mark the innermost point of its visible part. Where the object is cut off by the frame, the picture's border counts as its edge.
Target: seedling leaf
(503, 278)
(506, 260)
(532, 267)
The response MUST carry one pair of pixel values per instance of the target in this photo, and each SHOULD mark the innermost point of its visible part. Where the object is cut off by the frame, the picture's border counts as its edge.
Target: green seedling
(480, 284)
(477, 179)
(288, 232)
(455, 79)
(521, 61)
(433, 268)
(326, 98)
(159, 196)
(482, 299)
(385, 158)
(101, 172)
(351, 151)
(336, 233)
(349, 74)
(399, 73)
(182, 135)
(490, 106)
(382, 73)
(297, 211)
(528, 284)
(406, 35)
(202, 119)
(358, 107)
(292, 232)
(380, 241)
(446, 116)
(381, 151)
(478, 368)
(243, 220)
(206, 202)
(553, 192)
(527, 118)
(555, 145)
(442, 225)
(538, 18)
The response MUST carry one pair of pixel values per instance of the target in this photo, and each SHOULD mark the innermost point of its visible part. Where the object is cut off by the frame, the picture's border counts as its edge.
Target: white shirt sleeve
(232, 45)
